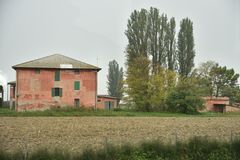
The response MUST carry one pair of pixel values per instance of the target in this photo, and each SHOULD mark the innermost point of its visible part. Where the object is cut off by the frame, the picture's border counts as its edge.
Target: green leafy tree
(161, 56)
(137, 34)
(185, 97)
(137, 59)
(159, 86)
(158, 38)
(137, 83)
(170, 44)
(204, 79)
(115, 80)
(217, 81)
(185, 46)
(223, 80)
(152, 37)
(154, 27)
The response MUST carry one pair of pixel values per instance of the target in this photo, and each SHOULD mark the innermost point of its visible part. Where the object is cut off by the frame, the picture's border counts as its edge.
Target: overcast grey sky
(91, 29)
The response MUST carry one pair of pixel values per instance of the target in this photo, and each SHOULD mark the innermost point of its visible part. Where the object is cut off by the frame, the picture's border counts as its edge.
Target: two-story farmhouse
(52, 81)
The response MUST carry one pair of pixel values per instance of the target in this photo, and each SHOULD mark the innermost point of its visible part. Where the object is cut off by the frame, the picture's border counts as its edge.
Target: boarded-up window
(56, 92)
(57, 75)
(76, 85)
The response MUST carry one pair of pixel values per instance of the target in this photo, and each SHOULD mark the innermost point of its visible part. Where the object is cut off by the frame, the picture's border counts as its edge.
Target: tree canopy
(115, 80)
(186, 51)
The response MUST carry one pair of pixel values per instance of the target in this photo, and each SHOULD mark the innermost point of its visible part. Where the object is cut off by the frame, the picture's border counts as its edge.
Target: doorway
(108, 105)
(77, 102)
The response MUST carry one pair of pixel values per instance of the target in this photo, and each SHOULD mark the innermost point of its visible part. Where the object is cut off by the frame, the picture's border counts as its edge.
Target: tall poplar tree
(137, 58)
(162, 40)
(185, 46)
(152, 48)
(137, 34)
(154, 27)
(115, 80)
(171, 44)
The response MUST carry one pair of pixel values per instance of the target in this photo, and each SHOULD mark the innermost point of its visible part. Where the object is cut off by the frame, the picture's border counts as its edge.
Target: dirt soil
(76, 133)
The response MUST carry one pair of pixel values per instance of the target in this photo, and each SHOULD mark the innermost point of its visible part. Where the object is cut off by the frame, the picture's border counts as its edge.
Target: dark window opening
(77, 71)
(57, 75)
(56, 92)
(219, 108)
(77, 102)
(37, 71)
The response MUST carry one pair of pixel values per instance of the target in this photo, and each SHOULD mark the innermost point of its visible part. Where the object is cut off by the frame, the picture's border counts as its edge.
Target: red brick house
(54, 81)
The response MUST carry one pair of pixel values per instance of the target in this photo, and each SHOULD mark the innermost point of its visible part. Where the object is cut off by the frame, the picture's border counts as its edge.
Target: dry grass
(76, 133)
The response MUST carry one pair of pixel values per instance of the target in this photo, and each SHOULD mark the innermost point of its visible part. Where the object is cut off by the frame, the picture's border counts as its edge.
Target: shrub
(117, 109)
(195, 149)
(185, 97)
(44, 154)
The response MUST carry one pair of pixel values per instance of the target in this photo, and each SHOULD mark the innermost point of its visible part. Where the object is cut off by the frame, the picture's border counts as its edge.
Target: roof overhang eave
(15, 67)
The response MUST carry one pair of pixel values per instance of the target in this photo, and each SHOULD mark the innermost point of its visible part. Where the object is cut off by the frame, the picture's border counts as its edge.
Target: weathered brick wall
(34, 90)
(12, 92)
(101, 102)
(232, 109)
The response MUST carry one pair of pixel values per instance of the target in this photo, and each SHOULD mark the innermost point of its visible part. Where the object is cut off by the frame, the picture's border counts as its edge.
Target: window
(56, 92)
(57, 75)
(37, 71)
(77, 71)
(76, 85)
(77, 102)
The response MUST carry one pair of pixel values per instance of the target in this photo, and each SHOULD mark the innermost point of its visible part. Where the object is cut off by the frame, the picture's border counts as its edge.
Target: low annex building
(54, 81)
(106, 102)
(216, 104)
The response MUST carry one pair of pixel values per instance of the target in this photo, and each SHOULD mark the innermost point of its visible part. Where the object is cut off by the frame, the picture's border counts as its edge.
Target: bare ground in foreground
(77, 133)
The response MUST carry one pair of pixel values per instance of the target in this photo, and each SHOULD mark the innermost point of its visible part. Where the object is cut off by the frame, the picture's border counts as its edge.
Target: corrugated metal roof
(56, 61)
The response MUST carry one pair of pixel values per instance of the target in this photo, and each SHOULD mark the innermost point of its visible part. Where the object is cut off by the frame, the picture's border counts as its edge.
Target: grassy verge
(62, 112)
(195, 149)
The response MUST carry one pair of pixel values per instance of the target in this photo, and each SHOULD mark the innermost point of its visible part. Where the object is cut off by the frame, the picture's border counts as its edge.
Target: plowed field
(76, 133)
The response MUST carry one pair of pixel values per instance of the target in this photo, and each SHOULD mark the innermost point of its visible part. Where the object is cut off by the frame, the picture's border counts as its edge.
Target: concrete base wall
(232, 109)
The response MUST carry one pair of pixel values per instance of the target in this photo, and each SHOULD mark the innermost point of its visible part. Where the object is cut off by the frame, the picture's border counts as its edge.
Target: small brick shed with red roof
(216, 104)
(106, 102)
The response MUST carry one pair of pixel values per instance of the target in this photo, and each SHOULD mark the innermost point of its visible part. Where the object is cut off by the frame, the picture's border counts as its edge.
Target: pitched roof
(12, 82)
(106, 96)
(56, 61)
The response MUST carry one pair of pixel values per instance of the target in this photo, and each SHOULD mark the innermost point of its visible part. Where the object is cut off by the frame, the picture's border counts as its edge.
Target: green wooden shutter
(76, 85)
(60, 92)
(57, 75)
(53, 92)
